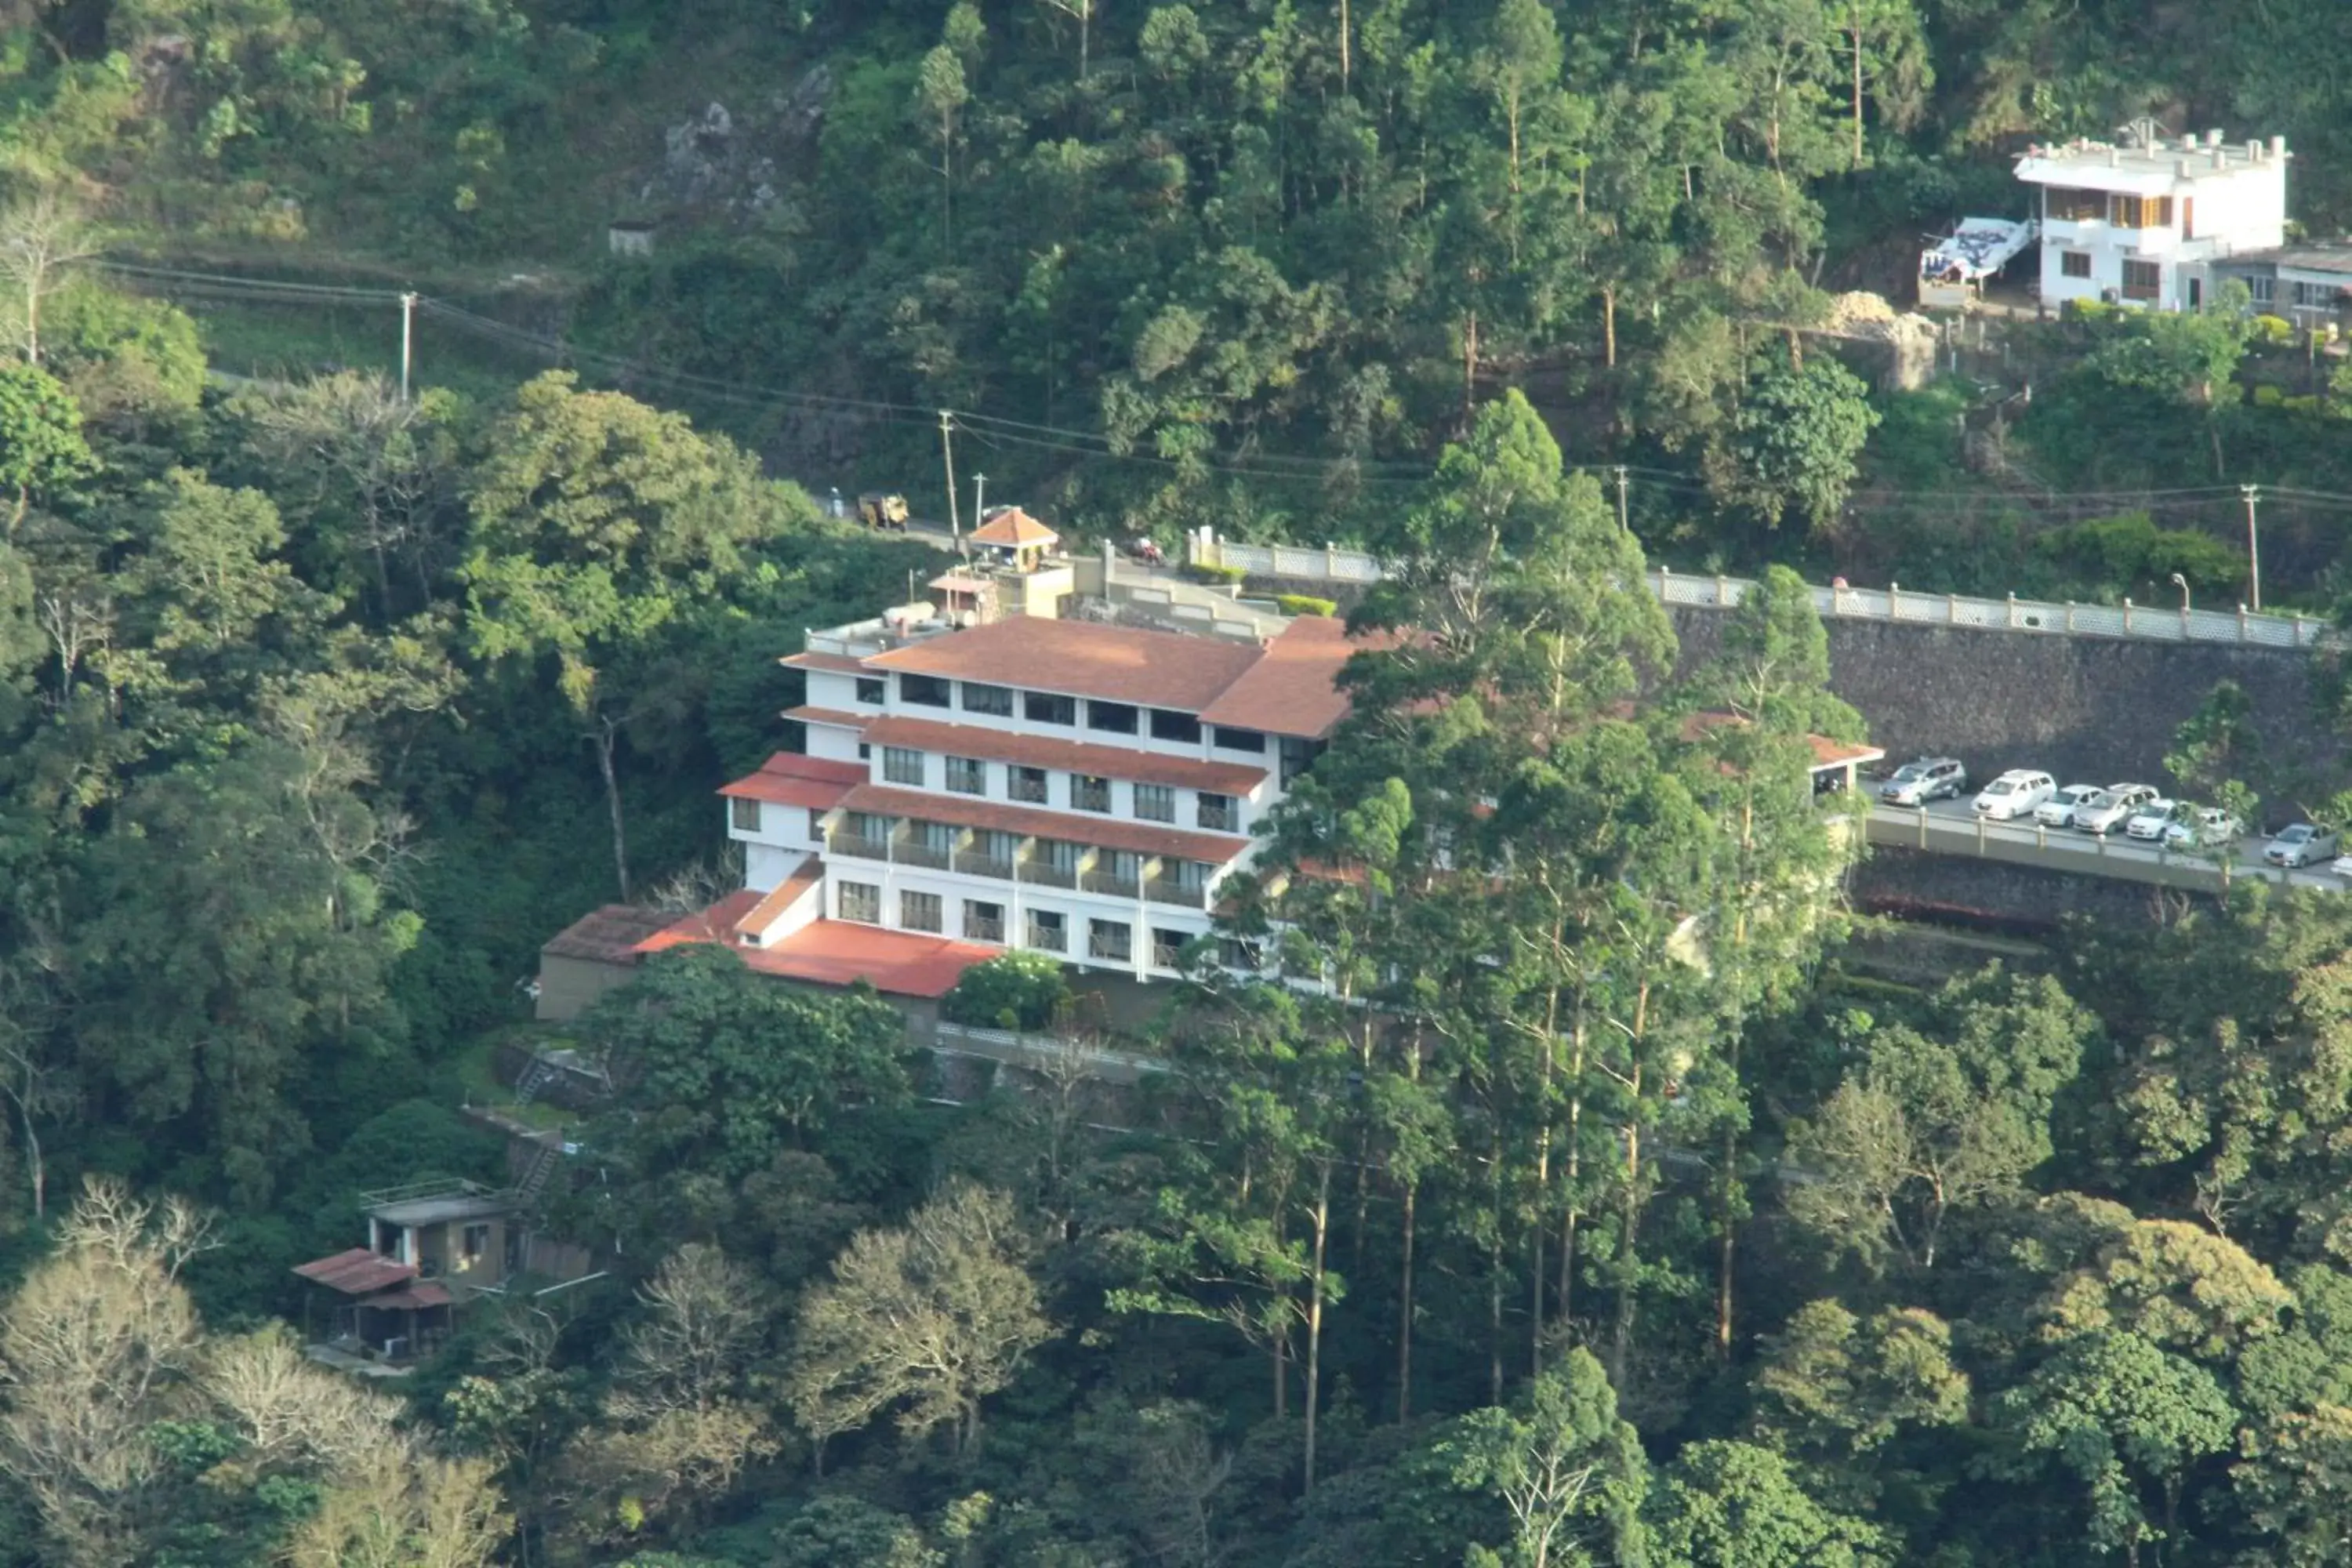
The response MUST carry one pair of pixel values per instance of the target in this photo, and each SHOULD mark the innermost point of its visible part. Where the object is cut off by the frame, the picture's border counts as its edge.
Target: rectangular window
(1192, 876)
(2264, 289)
(1111, 940)
(1298, 756)
(923, 691)
(1049, 931)
(871, 693)
(1167, 947)
(816, 825)
(967, 775)
(476, 1242)
(934, 838)
(864, 751)
(1155, 803)
(1217, 813)
(2067, 205)
(1118, 717)
(1026, 784)
(2142, 279)
(901, 766)
(2318, 296)
(1061, 854)
(1242, 954)
(992, 700)
(744, 815)
(2075, 264)
(1167, 726)
(982, 922)
(919, 911)
(2140, 212)
(1239, 740)
(1088, 793)
(1045, 708)
(2189, 218)
(862, 903)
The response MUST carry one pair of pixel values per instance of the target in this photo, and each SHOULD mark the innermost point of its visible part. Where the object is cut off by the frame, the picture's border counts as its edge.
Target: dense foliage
(1553, 1184)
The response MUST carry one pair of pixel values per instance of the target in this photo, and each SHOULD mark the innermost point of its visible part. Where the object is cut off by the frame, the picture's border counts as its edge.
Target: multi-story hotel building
(987, 778)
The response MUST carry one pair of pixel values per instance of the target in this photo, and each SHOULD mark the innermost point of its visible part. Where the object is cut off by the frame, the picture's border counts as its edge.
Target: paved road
(1952, 827)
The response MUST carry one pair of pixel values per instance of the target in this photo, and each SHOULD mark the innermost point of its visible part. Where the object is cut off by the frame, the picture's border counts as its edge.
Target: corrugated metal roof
(358, 1272)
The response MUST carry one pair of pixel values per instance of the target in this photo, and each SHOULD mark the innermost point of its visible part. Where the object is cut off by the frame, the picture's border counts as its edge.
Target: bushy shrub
(2272, 331)
(1017, 990)
(1201, 572)
(2119, 557)
(1304, 605)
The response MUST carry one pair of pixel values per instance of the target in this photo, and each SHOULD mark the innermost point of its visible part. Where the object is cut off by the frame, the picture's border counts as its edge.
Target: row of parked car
(2138, 811)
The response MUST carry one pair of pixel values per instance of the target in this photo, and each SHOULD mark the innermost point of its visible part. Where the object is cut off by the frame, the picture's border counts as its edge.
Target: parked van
(2015, 794)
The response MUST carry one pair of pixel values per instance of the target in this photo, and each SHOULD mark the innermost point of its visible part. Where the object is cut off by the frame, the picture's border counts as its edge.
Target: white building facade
(2142, 224)
(1074, 788)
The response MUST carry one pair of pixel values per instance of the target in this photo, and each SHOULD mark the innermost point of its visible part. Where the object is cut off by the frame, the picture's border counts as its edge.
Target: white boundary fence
(1892, 602)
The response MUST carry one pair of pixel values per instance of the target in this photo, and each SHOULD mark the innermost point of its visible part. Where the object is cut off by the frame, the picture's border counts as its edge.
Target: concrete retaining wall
(2086, 708)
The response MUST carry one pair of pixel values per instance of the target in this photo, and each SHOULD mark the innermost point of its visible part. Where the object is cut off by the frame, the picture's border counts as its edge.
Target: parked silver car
(2300, 846)
(1929, 778)
(2108, 809)
(2059, 810)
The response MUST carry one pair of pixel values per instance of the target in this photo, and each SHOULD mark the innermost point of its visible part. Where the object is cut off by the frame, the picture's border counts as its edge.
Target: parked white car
(2014, 794)
(1929, 778)
(2059, 810)
(2301, 845)
(2203, 827)
(2150, 820)
(2111, 807)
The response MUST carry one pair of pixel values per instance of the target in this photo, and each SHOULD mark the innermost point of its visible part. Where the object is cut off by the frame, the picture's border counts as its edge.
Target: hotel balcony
(908, 852)
(1160, 891)
(1110, 885)
(1038, 873)
(976, 865)
(857, 846)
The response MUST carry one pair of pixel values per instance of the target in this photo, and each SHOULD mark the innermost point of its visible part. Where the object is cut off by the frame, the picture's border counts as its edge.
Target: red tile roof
(834, 953)
(1292, 688)
(358, 1272)
(840, 664)
(782, 897)
(898, 962)
(1013, 526)
(1065, 756)
(1077, 827)
(1117, 663)
(610, 935)
(790, 778)
(1827, 753)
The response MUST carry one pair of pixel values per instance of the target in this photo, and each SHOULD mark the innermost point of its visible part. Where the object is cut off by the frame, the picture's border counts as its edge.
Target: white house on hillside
(2140, 222)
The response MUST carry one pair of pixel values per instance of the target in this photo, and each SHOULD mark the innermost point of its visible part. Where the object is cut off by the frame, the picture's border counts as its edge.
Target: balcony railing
(980, 928)
(1219, 818)
(1166, 954)
(856, 845)
(911, 852)
(1111, 884)
(1046, 939)
(1192, 896)
(975, 865)
(1044, 874)
(1030, 790)
(1115, 948)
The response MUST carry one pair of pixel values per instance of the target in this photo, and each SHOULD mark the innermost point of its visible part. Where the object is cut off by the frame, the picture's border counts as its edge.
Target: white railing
(2012, 614)
(1892, 602)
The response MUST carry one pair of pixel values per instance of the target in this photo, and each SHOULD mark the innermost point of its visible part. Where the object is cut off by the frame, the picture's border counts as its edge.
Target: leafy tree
(1569, 1470)
(933, 1319)
(1015, 990)
(2128, 1420)
(1794, 441)
(1734, 1505)
(1844, 1387)
(41, 445)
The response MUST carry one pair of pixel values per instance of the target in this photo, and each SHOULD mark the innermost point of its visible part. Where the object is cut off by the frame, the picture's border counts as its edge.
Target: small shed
(630, 237)
(1014, 539)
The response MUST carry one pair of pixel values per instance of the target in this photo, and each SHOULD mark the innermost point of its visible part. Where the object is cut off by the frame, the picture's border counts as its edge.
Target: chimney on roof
(2115, 155)
(2220, 155)
(2184, 168)
(2278, 146)
(2212, 137)
(2253, 151)
(2188, 143)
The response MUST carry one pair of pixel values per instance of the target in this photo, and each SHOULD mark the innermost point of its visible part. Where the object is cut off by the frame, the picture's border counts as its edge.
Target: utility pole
(2254, 494)
(407, 340)
(979, 496)
(1624, 522)
(947, 456)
